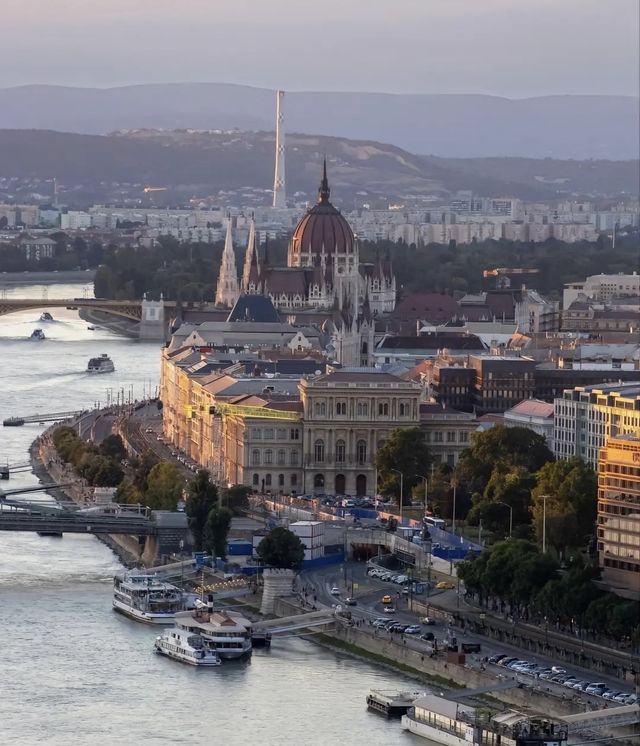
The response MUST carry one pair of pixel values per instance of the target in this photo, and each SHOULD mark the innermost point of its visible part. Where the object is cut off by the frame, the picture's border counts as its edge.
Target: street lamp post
(510, 517)
(424, 479)
(544, 524)
(453, 523)
(397, 471)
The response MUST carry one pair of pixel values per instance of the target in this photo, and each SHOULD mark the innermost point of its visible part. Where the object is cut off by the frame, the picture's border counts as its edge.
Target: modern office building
(619, 513)
(584, 417)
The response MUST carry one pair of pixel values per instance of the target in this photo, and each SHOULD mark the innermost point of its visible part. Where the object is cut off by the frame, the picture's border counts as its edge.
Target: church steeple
(324, 192)
(227, 291)
(251, 269)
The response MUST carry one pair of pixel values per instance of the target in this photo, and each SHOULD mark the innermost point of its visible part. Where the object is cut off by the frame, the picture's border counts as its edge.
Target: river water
(73, 672)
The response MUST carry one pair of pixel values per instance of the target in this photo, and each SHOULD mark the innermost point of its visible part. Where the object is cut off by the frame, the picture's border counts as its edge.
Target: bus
(429, 520)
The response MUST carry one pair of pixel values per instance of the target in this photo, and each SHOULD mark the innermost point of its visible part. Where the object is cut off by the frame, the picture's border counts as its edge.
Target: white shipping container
(312, 543)
(307, 528)
(311, 554)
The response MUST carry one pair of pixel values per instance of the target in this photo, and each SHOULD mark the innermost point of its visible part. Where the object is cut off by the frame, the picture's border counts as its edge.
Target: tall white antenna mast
(279, 188)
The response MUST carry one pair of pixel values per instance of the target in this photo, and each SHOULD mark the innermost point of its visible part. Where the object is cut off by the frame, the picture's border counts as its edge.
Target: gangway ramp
(299, 621)
(609, 717)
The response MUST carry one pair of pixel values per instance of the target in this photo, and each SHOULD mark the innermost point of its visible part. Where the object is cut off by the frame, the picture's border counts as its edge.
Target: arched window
(323, 408)
(361, 449)
(402, 409)
(293, 459)
(294, 480)
(280, 480)
(383, 409)
(267, 480)
(363, 409)
(318, 450)
(282, 457)
(341, 450)
(256, 480)
(341, 407)
(255, 457)
(268, 456)
(316, 408)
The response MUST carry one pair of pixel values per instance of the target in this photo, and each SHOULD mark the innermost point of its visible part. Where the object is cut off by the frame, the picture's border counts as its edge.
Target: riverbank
(46, 278)
(48, 468)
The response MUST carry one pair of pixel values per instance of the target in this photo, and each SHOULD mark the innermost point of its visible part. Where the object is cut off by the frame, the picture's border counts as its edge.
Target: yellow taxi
(445, 585)
(386, 600)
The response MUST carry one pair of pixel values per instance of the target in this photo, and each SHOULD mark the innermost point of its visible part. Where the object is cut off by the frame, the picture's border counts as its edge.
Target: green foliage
(90, 462)
(142, 467)
(281, 548)
(165, 485)
(216, 530)
(112, 447)
(507, 486)
(202, 497)
(406, 451)
(571, 503)
(510, 446)
(236, 498)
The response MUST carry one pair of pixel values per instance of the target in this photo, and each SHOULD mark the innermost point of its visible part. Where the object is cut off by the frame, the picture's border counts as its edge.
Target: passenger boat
(447, 722)
(226, 632)
(37, 334)
(46, 316)
(102, 364)
(186, 648)
(146, 599)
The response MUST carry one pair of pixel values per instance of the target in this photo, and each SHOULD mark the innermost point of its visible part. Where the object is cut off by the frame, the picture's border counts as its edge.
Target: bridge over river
(150, 315)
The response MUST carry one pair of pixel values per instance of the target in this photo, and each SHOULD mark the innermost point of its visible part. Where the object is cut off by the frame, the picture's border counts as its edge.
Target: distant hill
(580, 127)
(94, 167)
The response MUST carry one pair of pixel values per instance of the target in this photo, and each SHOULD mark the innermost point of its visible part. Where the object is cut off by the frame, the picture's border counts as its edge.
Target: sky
(512, 48)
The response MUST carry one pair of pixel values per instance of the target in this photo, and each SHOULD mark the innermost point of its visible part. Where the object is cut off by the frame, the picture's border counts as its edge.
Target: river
(76, 673)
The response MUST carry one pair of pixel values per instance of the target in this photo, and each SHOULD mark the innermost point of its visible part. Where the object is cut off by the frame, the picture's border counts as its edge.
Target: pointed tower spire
(251, 268)
(324, 192)
(227, 291)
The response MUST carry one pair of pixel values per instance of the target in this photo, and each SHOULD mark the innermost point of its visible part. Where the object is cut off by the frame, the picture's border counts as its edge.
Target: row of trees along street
(505, 480)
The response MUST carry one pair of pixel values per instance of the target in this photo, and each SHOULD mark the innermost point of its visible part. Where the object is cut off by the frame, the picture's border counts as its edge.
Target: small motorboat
(37, 334)
(46, 316)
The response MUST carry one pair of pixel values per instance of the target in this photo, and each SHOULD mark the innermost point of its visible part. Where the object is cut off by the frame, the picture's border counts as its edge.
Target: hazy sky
(512, 48)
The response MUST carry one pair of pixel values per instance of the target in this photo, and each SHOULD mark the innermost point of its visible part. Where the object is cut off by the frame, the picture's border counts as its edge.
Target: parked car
(445, 585)
(558, 669)
(429, 621)
(335, 591)
(428, 637)
(596, 689)
(493, 659)
(413, 629)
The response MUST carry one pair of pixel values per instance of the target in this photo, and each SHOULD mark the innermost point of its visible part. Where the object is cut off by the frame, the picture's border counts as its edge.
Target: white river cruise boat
(146, 598)
(102, 364)
(186, 648)
(226, 632)
(447, 722)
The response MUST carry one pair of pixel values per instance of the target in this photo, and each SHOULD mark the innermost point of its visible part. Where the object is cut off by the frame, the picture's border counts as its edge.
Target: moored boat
(46, 316)
(147, 599)
(37, 334)
(185, 647)
(226, 632)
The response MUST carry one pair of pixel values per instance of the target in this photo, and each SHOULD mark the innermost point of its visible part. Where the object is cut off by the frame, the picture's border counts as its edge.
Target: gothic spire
(227, 291)
(251, 268)
(324, 192)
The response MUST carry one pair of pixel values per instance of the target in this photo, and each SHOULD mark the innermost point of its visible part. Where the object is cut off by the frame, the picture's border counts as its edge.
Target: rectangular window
(451, 436)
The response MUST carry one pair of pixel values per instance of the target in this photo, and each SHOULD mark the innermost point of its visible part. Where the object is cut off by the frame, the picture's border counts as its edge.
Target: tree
(281, 548)
(405, 451)
(569, 489)
(236, 498)
(216, 531)
(513, 446)
(202, 496)
(101, 471)
(113, 447)
(508, 487)
(165, 485)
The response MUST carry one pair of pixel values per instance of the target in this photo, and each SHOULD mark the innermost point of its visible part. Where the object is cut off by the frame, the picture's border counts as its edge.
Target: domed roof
(322, 226)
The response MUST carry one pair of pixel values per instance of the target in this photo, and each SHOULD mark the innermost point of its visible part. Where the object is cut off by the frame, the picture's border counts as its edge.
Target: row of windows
(340, 451)
(266, 457)
(268, 433)
(268, 480)
(451, 436)
(362, 409)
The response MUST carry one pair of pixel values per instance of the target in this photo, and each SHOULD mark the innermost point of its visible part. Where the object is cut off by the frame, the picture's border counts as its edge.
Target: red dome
(322, 226)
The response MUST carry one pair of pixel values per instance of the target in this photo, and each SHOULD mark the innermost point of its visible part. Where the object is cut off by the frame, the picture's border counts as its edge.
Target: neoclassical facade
(347, 416)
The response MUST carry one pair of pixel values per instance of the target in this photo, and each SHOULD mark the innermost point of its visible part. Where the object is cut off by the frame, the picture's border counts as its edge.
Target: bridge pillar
(152, 324)
(277, 583)
(171, 529)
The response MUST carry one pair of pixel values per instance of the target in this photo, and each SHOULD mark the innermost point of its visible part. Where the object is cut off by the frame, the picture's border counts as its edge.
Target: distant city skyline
(497, 47)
